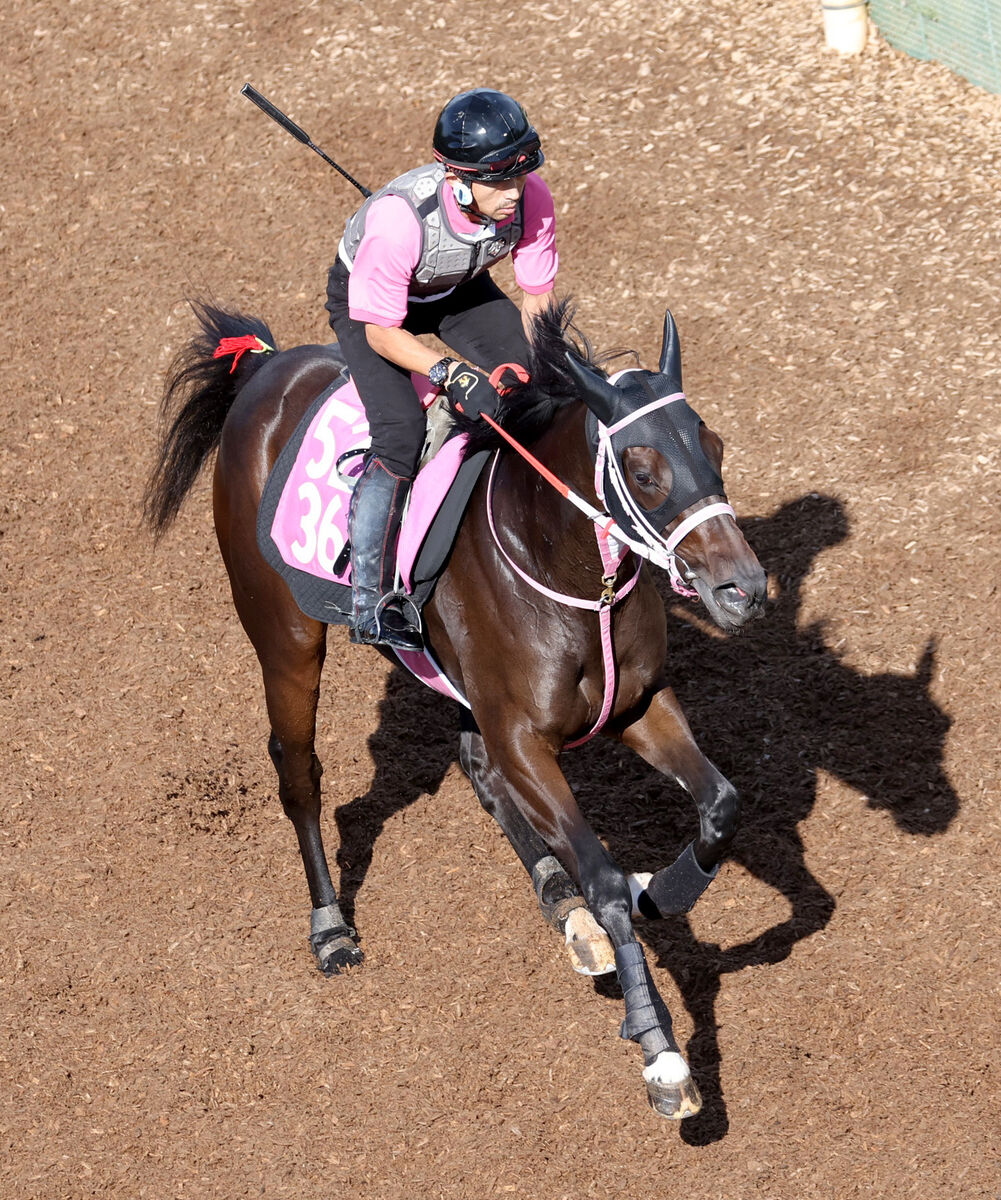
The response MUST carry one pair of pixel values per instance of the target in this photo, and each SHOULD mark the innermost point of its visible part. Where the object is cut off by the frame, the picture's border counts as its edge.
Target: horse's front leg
(559, 898)
(661, 735)
(529, 766)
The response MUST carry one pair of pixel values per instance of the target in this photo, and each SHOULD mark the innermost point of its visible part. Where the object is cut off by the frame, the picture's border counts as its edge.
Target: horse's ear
(670, 351)
(595, 390)
(926, 666)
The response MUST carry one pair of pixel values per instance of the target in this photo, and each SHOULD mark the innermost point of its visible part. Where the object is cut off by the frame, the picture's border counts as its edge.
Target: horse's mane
(528, 409)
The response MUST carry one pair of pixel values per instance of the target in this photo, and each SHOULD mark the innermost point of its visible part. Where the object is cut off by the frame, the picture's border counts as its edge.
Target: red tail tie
(238, 347)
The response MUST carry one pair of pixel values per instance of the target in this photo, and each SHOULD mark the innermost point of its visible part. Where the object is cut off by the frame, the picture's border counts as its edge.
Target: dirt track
(827, 235)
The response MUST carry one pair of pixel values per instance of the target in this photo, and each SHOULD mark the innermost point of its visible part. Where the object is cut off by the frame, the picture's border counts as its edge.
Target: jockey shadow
(771, 708)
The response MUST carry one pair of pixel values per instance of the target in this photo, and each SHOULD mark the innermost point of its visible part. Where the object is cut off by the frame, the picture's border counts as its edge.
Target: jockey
(415, 259)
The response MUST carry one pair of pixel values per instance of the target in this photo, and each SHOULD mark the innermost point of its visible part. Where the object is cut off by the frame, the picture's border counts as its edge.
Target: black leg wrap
(676, 888)
(647, 1019)
(332, 940)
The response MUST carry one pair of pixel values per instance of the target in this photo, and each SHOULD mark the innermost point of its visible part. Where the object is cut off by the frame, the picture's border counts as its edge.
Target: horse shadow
(413, 747)
(771, 708)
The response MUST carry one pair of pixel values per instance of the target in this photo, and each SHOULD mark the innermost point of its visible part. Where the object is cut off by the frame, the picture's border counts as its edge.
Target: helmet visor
(524, 160)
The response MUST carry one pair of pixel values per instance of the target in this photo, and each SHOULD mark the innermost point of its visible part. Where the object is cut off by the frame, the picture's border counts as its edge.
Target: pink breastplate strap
(603, 606)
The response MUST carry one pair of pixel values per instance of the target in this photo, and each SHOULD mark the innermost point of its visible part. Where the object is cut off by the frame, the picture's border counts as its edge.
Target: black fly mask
(646, 408)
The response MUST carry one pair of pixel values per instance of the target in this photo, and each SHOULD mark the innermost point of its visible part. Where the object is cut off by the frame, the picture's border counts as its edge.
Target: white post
(846, 25)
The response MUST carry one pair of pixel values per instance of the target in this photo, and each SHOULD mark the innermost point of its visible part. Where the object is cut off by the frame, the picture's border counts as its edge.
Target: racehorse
(545, 618)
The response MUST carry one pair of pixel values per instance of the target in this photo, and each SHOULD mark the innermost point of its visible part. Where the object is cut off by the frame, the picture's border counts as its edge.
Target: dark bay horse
(546, 621)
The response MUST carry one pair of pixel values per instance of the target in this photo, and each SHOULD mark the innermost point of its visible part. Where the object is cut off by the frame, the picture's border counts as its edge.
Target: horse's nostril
(735, 597)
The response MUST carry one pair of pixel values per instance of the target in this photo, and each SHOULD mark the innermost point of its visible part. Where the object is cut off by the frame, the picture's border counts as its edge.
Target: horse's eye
(642, 478)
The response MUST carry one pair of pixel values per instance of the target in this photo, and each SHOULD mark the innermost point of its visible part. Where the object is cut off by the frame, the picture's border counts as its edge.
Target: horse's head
(658, 471)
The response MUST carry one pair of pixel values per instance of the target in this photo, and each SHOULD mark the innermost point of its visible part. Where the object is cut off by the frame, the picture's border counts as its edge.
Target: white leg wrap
(637, 884)
(668, 1067)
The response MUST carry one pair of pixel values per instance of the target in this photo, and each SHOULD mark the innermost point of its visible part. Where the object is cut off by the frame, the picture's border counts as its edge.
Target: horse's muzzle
(739, 600)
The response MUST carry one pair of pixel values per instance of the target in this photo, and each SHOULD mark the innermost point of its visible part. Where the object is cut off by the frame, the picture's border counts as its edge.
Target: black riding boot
(376, 511)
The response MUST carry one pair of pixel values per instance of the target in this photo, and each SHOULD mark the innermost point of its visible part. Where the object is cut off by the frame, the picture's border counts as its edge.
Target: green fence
(965, 35)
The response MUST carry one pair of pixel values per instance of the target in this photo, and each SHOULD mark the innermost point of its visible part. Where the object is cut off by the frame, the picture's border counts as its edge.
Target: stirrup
(387, 625)
(372, 633)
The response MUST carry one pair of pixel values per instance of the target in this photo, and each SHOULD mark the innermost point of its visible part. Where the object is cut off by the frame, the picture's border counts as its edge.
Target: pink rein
(606, 530)
(603, 606)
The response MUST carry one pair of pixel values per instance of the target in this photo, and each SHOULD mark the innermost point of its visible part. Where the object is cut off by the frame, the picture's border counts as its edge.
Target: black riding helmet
(483, 134)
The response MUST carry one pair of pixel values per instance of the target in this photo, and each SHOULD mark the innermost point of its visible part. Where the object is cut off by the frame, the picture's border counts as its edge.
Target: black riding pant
(476, 320)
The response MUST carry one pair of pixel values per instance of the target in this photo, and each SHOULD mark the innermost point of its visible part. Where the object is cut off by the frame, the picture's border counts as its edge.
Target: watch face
(439, 372)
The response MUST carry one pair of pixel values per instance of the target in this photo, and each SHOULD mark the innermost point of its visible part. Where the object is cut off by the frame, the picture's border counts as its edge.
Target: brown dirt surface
(826, 232)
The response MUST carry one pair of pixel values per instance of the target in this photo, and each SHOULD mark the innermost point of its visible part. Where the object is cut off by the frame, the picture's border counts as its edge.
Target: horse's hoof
(336, 952)
(671, 1090)
(589, 946)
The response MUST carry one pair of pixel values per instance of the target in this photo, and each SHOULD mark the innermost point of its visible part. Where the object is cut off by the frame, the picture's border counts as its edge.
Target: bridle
(642, 537)
(613, 541)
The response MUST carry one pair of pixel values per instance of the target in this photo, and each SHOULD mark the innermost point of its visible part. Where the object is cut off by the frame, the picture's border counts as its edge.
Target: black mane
(528, 409)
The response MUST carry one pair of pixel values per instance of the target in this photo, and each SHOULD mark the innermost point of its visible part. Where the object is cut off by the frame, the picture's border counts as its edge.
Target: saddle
(302, 520)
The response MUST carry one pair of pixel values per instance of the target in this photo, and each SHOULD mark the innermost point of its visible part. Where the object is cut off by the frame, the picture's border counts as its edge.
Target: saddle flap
(431, 487)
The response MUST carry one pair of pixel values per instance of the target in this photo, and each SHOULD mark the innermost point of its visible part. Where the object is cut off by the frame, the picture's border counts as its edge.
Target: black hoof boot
(336, 950)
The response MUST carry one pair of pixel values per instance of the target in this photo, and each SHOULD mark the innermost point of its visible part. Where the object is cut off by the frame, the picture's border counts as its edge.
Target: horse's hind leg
(291, 648)
(560, 901)
(292, 686)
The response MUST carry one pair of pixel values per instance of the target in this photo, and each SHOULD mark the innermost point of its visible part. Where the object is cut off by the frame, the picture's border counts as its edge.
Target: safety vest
(447, 258)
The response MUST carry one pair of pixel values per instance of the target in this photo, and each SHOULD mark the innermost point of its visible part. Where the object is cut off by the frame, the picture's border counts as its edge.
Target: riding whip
(265, 105)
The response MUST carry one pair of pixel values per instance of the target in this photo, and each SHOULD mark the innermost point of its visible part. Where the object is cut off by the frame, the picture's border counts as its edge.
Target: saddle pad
(302, 517)
(302, 521)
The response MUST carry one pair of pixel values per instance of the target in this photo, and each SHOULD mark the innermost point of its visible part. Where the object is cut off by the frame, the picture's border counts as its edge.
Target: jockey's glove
(471, 391)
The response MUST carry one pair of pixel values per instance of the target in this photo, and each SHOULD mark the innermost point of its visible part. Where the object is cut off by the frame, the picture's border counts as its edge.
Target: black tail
(198, 393)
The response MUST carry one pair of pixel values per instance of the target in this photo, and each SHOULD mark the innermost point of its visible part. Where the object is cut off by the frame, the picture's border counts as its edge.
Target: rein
(607, 533)
(610, 562)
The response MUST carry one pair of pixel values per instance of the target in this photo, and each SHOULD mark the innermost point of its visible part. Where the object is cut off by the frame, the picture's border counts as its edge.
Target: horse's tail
(201, 385)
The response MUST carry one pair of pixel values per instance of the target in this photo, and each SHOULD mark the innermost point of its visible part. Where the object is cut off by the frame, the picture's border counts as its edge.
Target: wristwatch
(439, 372)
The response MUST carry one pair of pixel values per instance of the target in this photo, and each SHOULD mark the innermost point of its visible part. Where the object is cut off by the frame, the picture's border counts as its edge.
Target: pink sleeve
(534, 258)
(384, 263)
